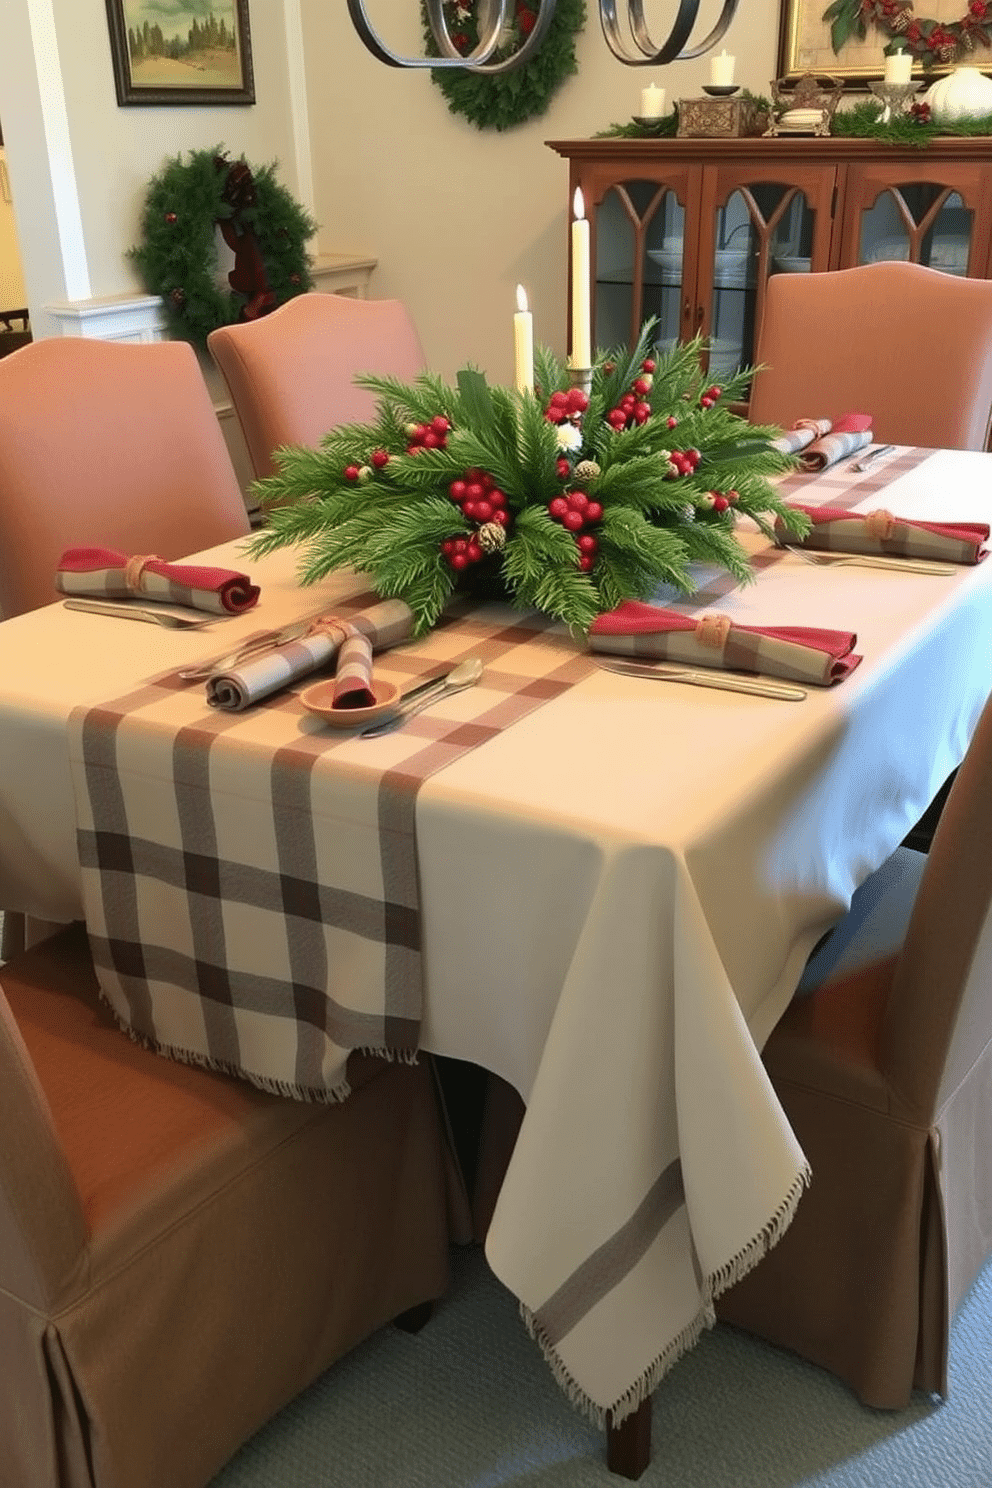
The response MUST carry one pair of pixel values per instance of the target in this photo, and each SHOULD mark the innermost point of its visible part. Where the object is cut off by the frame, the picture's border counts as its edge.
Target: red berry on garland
(705, 402)
(439, 424)
(648, 365)
(573, 520)
(577, 500)
(557, 507)
(351, 472)
(457, 490)
(170, 218)
(483, 511)
(733, 497)
(593, 511)
(720, 503)
(380, 458)
(587, 543)
(459, 560)
(642, 412)
(671, 422)
(563, 468)
(643, 386)
(586, 562)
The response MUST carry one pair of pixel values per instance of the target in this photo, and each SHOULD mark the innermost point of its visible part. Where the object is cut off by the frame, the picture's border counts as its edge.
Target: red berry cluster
(379, 458)
(632, 408)
(563, 406)
(482, 501)
(479, 497)
(574, 511)
(710, 396)
(718, 501)
(684, 461)
(461, 551)
(428, 436)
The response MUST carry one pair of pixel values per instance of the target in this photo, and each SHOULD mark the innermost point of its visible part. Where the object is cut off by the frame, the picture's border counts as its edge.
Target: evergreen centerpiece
(560, 501)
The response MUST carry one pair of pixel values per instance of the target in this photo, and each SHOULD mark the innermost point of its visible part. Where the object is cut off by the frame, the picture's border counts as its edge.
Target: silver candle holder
(897, 97)
(581, 377)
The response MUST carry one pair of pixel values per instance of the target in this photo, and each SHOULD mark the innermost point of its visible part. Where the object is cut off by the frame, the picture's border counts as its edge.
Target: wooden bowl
(319, 700)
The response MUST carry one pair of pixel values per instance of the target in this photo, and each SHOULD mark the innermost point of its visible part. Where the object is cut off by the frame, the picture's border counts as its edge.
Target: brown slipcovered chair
(107, 444)
(180, 1252)
(843, 341)
(883, 1064)
(291, 374)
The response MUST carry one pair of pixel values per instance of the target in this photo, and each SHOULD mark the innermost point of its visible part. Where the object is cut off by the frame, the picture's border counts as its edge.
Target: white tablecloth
(618, 894)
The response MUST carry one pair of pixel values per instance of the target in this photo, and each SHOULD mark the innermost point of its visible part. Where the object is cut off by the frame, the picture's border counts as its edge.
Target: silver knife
(872, 455)
(756, 686)
(130, 611)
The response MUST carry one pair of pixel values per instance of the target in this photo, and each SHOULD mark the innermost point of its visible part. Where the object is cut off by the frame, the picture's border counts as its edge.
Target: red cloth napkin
(106, 574)
(881, 533)
(822, 442)
(798, 653)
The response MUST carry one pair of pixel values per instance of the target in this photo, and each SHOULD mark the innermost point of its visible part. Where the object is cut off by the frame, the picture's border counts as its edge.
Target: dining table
(602, 888)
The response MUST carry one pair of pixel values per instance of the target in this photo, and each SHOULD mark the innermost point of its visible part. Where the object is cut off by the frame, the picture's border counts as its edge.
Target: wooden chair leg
(628, 1446)
(415, 1318)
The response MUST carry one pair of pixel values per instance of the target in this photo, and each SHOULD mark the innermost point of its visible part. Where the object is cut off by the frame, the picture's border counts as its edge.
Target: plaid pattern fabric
(353, 674)
(380, 625)
(250, 886)
(799, 654)
(820, 443)
(103, 573)
(881, 533)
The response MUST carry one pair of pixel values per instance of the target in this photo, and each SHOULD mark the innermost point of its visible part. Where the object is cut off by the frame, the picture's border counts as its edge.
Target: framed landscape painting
(181, 51)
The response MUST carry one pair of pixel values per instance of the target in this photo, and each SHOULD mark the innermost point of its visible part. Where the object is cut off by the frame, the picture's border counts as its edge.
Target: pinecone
(491, 537)
(586, 471)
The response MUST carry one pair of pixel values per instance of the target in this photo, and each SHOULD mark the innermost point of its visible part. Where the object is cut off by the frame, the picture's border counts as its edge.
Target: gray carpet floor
(469, 1403)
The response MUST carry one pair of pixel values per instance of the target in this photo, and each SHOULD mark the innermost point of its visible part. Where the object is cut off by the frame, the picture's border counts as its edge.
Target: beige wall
(456, 216)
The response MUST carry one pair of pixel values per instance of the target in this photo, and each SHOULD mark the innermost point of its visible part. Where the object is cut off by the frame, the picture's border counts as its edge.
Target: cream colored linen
(618, 895)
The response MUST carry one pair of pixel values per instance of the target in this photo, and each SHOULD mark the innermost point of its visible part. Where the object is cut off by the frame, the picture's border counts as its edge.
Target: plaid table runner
(251, 886)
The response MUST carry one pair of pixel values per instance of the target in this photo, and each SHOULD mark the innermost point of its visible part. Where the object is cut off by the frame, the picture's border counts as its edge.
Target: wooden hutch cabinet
(688, 230)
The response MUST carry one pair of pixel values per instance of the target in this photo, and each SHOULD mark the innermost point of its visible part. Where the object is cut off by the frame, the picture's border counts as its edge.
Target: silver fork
(864, 560)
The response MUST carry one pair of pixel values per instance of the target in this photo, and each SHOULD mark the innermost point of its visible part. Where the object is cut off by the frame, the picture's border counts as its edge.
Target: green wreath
(259, 220)
(502, 100)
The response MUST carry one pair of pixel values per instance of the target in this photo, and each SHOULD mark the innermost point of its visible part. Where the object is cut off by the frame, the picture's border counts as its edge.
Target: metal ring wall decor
(498, 14)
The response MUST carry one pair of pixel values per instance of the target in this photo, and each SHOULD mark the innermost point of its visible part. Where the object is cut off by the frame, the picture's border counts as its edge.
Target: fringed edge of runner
(768, 1236)
(317, 1096)
(642, 1389)
(393, 1056)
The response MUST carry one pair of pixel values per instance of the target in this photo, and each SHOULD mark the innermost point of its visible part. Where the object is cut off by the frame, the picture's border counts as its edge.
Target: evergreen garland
(560, 507)
(177, 256)
(499, 101)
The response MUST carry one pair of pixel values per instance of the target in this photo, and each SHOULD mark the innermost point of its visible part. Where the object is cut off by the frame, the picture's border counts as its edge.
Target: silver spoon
(466, 674)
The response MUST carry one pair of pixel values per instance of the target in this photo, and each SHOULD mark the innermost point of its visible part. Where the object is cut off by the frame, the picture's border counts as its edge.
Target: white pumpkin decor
(965, 93)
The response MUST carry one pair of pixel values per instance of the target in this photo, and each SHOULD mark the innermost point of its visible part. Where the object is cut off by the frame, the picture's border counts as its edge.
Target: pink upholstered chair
(180, 1252)
(908, 344)
(107, 444)
(291, 374)
(883, 1064)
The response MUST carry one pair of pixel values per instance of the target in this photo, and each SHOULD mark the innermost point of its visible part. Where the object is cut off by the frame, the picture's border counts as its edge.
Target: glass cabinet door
(641, 259)
(940, 222)
(750, 230)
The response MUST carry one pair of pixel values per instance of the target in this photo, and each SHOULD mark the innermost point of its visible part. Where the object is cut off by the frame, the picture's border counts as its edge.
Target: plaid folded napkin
(106, 574)
(880, 533)
(822, 442)
(353, 676)
(266, 672)
(799, 653)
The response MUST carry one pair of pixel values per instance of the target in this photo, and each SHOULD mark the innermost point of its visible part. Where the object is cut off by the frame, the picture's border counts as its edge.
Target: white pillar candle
(722, 70)
(652, 102)
(581, 316)
(523, 344)
(899, 67)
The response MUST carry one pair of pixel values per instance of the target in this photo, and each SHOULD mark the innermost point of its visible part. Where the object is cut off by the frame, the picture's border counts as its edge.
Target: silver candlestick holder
(896, 97)
(581, 377)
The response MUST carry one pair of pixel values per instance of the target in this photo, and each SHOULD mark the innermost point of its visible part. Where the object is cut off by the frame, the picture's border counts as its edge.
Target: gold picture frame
(804, 46)
(204, 59)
